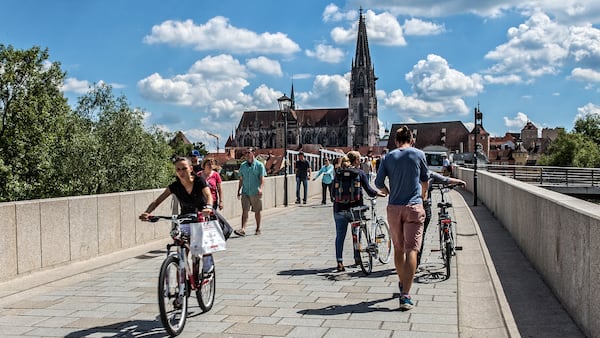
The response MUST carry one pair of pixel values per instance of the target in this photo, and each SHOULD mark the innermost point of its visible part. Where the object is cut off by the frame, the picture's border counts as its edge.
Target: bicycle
(446, 231)
(177, 278)
(372, 242)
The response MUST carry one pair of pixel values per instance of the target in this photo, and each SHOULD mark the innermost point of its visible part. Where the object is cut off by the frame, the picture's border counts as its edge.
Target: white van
(435, 160)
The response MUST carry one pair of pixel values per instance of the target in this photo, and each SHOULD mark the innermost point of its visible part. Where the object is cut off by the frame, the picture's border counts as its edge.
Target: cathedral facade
(357, 125)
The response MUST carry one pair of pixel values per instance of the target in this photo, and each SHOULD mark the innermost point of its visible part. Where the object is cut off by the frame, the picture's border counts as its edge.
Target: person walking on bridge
(326, 181)
(250, 190)
(406, 169)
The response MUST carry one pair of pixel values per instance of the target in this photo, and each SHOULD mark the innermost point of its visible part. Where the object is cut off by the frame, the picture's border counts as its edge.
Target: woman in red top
(213, 179)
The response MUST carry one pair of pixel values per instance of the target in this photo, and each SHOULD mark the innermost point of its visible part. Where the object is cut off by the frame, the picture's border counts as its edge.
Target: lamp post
(284, 107)
(478, 117)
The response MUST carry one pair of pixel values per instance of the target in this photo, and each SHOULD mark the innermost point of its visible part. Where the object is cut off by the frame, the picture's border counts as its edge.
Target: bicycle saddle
(361, 208)
(445, 205)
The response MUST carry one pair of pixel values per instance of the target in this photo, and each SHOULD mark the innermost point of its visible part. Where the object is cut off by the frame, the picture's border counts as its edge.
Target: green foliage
(127, 157)
(589, 126)
(33, 114)
(49, 150)
(571, 150)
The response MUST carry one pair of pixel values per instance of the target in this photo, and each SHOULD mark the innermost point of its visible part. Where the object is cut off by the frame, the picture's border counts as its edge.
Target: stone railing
(42, 234)
(559, 235)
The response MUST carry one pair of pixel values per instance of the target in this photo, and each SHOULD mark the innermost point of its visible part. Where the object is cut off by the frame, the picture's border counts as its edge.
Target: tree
(128, 156)
(571, 150)
(49, 150)
(589, 126)
(33, 114)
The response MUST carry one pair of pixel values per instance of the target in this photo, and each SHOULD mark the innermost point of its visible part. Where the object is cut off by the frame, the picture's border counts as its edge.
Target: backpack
(346, 186)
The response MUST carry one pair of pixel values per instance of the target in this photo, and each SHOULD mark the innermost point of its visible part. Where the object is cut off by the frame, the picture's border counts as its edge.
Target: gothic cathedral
(356, 125)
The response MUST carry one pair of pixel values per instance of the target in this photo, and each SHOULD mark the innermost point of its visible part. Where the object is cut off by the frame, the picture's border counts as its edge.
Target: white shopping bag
(206, 238)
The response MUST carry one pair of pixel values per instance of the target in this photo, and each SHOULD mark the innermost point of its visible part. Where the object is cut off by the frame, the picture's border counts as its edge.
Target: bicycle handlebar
(446, 186)
(183, 218)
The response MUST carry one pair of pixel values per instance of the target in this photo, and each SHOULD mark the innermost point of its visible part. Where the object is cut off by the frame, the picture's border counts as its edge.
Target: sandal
(240, 232)
(257, 232)
(340, 267)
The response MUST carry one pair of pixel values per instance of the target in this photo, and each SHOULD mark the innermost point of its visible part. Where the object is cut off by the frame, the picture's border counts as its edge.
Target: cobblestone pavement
(281, 283)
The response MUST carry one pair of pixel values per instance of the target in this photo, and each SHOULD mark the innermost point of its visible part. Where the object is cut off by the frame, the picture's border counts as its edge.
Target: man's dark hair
(403, 135)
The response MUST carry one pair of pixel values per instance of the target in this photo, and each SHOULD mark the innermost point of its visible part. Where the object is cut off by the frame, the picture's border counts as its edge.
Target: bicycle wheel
(206, 292)
(446, 248)
(448, 258)
(364, 254)
(383, 240)
(172, 307)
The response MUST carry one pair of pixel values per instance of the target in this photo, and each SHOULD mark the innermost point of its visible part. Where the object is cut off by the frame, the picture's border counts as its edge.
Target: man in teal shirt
(250, 189)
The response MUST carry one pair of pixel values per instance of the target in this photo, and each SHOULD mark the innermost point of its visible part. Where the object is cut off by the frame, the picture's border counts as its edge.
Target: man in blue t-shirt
(406, 169)
(250, 189)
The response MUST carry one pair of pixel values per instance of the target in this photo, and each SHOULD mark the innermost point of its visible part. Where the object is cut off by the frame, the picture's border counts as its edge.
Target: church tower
(363, 124)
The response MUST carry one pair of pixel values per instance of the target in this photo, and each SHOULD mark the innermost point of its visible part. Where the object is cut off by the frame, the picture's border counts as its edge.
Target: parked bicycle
(446, 227)
(180, 274)
(369, 242)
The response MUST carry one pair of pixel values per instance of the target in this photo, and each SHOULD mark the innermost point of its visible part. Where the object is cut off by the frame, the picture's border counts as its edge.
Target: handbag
(206, 238)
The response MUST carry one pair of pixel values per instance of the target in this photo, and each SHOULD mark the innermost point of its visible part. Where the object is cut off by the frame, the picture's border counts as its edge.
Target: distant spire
(363, 56)
(293, 106)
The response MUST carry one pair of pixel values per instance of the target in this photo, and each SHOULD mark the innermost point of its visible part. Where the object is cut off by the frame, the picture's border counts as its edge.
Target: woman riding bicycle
(193, 195)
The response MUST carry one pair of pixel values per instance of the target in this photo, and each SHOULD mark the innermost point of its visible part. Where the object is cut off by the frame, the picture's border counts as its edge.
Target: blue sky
(196, 65)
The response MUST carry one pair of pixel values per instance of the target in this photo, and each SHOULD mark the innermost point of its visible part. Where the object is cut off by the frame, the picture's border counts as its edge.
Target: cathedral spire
(362, 100)
(293, 105)
(363, 56)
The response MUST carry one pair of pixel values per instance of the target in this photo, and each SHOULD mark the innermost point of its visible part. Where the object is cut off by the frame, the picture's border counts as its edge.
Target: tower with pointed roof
(363, 124)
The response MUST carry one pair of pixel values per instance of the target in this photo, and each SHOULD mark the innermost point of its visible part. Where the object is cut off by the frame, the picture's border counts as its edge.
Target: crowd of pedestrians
(401, 174)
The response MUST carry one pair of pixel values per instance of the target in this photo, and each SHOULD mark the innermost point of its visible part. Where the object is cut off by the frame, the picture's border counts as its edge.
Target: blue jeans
(303, 181)
(341, 228)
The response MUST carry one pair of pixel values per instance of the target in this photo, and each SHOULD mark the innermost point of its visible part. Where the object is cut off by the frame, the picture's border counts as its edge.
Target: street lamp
(478, 118)
(284, 107)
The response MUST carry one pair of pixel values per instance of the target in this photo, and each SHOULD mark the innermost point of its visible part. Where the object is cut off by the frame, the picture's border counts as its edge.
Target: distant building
(355, 126)
(452, 136)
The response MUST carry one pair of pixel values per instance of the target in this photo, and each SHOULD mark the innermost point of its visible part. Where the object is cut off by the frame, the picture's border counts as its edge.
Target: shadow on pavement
(430, 273)
(131, 328)
(362, 307)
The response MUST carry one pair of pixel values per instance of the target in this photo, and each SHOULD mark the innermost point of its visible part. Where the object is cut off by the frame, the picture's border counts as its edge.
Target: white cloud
(438, 91)
(502, 79)
(76, 86)
(564, 11)
(382, 29)
(265, 65)
(218, 34)
(327, 91)
(585, 74)
(215, 84)
(326, 53)
(415, 26)
(433, 79)
(516, 123)
(219, 67)
(535, 48)
(266, 97)
(332, 13)
(589, 108)
(301, 76)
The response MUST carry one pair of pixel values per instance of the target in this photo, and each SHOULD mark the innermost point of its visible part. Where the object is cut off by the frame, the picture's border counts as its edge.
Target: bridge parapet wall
(42, 234)
(559, 234)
